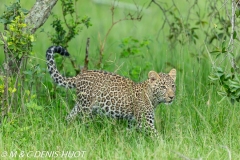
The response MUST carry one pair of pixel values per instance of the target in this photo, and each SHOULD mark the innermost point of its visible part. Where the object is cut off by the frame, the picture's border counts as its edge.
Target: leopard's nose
(171, 97)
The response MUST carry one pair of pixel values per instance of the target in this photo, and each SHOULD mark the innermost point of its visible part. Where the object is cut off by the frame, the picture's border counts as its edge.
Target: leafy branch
(73, 23)
(17, 42)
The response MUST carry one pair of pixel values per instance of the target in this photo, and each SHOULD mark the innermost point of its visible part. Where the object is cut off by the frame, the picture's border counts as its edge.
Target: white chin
(168, 103)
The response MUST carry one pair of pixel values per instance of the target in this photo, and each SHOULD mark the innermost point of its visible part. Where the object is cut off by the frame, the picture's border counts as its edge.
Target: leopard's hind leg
(84, 111)
(74, 112)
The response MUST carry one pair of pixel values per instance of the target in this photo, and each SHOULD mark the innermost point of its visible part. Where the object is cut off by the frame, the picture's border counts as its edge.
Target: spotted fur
(113, 95)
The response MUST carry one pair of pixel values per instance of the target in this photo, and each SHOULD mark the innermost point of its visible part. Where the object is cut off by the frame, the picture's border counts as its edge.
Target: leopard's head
(162, 86)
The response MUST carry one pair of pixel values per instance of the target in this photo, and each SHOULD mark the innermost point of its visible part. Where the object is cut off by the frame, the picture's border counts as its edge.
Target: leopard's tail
(68, 82)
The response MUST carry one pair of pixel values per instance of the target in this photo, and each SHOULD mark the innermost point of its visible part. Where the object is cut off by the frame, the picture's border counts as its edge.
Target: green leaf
(1, 42)
(3, 20)
(234, 35)
(25, 11)
(28, 72)
(22, 129)
(215, 51)
(219, 69)
(213, 78)
(33, 105)
(135, 40)
(234, 84)
(232, 101)
(124, 54)
(238, 93)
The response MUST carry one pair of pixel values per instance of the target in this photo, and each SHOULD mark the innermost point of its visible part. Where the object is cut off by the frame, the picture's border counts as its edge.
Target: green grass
(198, 125)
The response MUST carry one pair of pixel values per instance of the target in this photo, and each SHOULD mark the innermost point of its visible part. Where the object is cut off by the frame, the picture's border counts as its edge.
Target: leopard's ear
(153, 76)
(173, 74)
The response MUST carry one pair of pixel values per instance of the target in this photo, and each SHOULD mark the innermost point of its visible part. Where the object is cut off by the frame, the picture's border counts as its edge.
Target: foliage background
(198, 125)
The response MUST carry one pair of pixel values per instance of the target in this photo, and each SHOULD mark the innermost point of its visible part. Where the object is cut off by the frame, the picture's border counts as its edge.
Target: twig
(8, 106)
(73, 62)
(70, 32)
(86, 56)
(164, 13)
(18, 77)
(209, 55)
(118, 67)
(102, 44)
(5, 102)
(190, 8)
(231, 42)
(70, 28)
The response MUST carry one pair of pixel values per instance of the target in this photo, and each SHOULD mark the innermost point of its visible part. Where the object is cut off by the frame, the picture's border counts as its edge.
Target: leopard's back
(106, 92)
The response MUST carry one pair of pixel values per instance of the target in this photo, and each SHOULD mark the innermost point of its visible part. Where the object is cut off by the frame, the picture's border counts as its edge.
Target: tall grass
(198, 125)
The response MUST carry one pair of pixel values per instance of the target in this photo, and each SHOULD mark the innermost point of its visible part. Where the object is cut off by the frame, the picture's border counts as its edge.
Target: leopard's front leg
(150, 125)
(146, 122)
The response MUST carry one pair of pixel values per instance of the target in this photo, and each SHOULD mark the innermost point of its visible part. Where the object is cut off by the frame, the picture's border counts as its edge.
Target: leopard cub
(113, 95)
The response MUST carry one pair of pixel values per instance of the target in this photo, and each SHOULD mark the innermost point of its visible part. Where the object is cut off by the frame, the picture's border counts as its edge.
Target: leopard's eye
(173, 86)
(163, 87)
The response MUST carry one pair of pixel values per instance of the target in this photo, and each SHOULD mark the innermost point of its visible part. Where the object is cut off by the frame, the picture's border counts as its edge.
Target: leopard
(106, 93)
